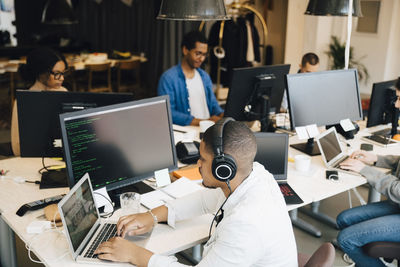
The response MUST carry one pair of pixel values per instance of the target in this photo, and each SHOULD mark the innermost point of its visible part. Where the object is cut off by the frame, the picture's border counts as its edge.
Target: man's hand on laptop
(121, 250)
(135, 224)
(364, 156)
(352, 165)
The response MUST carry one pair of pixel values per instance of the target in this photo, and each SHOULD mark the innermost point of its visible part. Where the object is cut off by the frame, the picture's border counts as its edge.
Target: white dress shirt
(197, 97)
(256, 229)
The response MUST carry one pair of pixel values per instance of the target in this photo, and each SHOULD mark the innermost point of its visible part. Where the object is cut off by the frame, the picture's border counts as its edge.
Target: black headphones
(223, 166)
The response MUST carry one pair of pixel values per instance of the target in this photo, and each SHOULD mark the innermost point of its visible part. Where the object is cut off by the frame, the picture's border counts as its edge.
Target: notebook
(84, 229)
(272, 152)
(331, 151)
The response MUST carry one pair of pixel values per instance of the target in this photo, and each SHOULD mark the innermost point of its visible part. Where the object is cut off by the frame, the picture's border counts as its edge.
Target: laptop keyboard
(289, 194)
(108, 231)
(336, 165)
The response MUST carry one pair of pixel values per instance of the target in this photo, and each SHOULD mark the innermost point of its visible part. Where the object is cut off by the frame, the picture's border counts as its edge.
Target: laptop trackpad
(140, 240)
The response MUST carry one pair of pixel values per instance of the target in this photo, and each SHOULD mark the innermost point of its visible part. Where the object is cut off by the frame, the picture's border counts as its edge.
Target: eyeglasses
(58, 74)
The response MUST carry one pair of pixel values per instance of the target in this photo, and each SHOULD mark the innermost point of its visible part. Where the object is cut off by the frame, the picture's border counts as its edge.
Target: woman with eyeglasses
(44, 70)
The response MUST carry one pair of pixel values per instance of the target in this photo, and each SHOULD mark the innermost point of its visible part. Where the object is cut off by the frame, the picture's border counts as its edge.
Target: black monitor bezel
(232, 109)
(374, 105)
(320, 73)
(32, 112)
(283, 176)
(89, 112)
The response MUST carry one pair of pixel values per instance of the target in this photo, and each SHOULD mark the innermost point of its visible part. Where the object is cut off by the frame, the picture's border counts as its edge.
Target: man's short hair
(238, 141)
(190, 39)
(309, 58)
(398, 84)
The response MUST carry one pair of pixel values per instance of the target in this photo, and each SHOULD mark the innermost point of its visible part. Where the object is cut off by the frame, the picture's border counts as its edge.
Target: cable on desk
(45, 168)
(108, 215)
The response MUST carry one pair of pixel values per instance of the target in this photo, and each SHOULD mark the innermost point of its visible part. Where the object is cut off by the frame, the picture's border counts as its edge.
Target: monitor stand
(139, 187)
(309, 148)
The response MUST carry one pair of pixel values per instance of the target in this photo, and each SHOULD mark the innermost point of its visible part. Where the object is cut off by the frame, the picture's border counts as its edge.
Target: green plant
(336, 58)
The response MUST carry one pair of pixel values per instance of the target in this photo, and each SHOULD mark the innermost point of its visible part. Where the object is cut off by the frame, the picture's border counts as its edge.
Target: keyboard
(108, 231)
(289, 194)
(336, 165)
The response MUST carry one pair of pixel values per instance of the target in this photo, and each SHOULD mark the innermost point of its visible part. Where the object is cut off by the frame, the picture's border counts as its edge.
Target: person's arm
(386, 184)
(15, 145)
(390, 162)
(166, 87)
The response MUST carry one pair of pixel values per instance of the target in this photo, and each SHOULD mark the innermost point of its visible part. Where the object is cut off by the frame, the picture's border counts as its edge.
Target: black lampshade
(332, 8)
(192, 10)
(58, 12)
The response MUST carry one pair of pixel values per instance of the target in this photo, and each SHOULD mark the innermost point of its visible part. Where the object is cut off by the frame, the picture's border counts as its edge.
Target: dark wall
(107, 26)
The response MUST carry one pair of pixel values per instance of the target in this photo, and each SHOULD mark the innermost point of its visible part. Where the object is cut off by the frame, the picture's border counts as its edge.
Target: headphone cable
(220, 208)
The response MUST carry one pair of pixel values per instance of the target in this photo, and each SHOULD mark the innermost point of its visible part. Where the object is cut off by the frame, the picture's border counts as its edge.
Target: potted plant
(336, 59)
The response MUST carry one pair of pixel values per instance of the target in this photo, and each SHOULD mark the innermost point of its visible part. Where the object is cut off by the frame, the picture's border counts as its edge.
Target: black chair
(387, 250)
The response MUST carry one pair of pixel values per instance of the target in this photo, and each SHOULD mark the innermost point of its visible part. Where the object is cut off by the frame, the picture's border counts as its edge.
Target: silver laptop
(331, 151)
(84, 228)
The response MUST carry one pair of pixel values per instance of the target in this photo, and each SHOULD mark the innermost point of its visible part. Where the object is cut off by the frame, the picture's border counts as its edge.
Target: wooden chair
(132, 79)
(98, 73)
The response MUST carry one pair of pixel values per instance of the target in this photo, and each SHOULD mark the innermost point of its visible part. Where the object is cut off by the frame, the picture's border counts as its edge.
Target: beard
(206, 186)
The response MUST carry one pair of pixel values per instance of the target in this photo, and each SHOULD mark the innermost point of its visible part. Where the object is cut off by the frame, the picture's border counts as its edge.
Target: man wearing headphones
(253, 227)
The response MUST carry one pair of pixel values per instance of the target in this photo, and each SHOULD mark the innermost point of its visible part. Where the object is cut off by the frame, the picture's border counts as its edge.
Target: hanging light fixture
(332, 8)
(337, 8)
(192, 10)
(58, 12)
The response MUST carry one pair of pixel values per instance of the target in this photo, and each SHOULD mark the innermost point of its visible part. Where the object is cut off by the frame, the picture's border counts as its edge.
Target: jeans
(361, 225)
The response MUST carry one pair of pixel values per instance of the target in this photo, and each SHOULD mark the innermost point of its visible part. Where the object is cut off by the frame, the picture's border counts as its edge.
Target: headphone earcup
(224, 167)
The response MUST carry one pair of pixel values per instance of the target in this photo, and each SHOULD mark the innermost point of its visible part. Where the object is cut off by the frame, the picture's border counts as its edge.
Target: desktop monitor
(246, 82)
(322, 98)
(381, 107)
(38, 116)
(272, 152)
(119, 145)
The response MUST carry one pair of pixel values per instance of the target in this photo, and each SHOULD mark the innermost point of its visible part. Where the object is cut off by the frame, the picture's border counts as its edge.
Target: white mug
(302, 162)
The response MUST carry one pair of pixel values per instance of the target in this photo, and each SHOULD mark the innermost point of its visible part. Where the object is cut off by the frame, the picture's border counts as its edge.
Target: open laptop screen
(80, 214)
(330, 146)
(272, 152)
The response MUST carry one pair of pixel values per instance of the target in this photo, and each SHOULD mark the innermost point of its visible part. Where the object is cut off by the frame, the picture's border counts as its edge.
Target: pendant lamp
(58, 12)
(332, 8)
(192, 10)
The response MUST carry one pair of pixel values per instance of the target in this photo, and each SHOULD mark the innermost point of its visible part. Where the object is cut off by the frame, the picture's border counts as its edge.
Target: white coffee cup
(130, 203)
(204, 125)
(302, 162)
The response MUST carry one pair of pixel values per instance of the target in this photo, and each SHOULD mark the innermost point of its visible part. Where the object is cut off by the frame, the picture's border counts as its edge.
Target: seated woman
(44, 69)
(379, 221)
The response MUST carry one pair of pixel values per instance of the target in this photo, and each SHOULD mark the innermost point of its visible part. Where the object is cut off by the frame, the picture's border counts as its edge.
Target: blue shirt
(173, 83)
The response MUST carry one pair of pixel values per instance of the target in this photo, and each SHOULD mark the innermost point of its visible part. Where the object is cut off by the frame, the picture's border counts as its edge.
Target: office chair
(387, 250)
(132, 78)
(96, 76)
(324, 256)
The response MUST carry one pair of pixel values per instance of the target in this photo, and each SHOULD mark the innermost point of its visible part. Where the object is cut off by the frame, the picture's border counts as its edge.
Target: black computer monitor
(119, 145)
(272, 152)
(381, 107)
(38, 116)
(247, 88)
(322, 98)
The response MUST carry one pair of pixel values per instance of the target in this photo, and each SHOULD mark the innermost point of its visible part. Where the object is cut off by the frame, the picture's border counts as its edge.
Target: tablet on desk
(380, 140)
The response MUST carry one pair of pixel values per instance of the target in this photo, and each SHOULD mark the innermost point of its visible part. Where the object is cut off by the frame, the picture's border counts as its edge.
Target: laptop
(84, 229)
(331, 151)
(272, 152)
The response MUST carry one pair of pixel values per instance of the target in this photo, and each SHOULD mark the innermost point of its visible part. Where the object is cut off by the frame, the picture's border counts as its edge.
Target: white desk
(50, 246)
(164, 239)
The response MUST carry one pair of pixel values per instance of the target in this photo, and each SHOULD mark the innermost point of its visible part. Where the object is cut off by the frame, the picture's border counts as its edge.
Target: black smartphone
(332, 175)
(366, 147)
